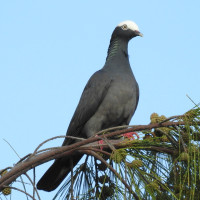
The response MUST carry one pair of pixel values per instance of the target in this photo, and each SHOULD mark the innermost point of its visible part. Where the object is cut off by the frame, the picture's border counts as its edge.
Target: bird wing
(92, 96)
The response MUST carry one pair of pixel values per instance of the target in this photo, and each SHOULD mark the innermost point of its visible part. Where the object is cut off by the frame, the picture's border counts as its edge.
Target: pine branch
(32, 160)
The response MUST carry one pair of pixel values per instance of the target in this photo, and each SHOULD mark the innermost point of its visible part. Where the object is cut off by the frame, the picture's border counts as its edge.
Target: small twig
(191, 100)
(126, 178)
(114, 128)
(53, 138)
(30, 155)
(34, 189)
(171, 139)
(24, 158)
(160, 149)
(183, 143)
(14, 188)
(172, 117)
(96, 175)
(98, 150)
(113, 170)
(76, 138)
(12, 148)
(33, 184)
(72, 180)
(23, 184)
(181, 139)
(108, 143)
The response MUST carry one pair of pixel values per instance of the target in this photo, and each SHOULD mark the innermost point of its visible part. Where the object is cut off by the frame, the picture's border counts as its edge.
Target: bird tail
(56, 173)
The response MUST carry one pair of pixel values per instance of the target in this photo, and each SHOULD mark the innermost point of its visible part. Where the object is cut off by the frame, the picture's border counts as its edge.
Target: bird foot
(100, 142)
(130, 135)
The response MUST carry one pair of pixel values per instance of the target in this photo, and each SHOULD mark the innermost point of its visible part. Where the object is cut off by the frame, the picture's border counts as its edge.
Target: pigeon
(109, 99)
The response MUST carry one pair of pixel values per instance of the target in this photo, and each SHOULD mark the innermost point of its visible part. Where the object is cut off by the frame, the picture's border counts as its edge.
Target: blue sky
(49, 49)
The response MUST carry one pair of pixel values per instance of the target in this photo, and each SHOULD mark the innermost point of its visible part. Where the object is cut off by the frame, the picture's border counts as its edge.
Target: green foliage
(164, 163)
(118, 155)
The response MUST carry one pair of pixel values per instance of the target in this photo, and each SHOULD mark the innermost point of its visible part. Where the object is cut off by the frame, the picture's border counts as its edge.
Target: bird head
(127, 30)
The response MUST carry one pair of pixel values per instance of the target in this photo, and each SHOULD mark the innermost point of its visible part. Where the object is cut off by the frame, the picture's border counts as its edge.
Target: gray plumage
(109, 99)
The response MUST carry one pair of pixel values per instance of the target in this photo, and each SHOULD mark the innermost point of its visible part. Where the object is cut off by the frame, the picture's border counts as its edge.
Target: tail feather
(56, 173)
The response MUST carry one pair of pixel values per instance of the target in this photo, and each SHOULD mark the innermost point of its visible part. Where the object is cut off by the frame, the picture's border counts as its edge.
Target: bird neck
(118, 47)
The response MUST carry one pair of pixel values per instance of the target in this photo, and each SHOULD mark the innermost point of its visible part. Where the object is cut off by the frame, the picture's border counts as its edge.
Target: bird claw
(130, 135)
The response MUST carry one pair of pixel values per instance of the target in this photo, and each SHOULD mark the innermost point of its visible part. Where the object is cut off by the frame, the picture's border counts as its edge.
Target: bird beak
(138, 33)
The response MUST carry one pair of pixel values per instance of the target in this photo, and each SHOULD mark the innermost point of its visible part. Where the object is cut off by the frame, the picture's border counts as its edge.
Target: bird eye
(124, 27)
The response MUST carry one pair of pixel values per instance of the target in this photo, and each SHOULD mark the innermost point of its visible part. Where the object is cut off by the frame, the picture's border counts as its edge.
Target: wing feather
(92, 96)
